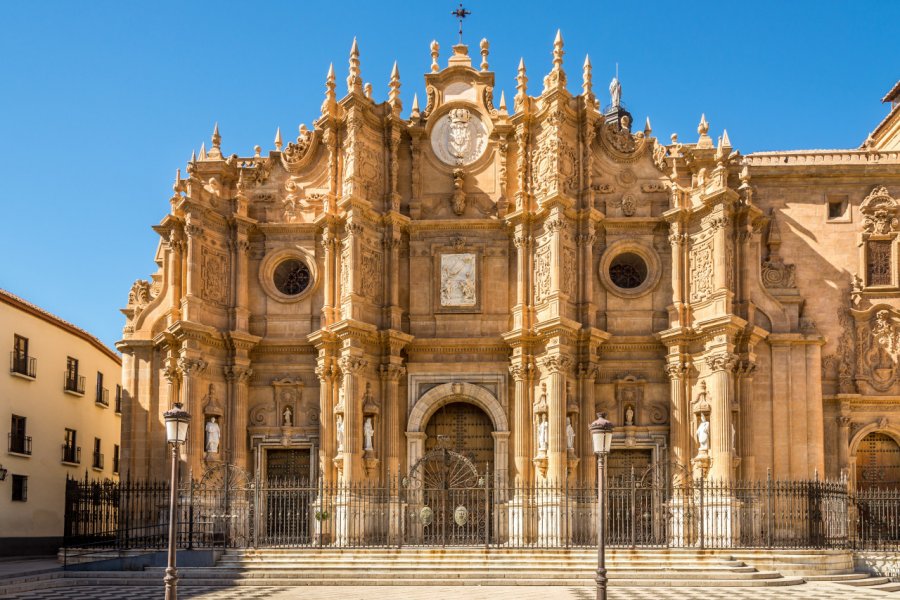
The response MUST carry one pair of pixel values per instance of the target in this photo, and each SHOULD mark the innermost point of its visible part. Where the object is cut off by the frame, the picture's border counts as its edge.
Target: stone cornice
(821, 157)
(456, 225)
(295, 347)
(458, 346)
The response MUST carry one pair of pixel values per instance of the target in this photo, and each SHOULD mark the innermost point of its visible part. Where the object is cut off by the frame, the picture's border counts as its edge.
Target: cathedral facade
(488, 275)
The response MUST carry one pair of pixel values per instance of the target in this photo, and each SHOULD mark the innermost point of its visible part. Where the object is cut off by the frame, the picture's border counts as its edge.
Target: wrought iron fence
(236, 511)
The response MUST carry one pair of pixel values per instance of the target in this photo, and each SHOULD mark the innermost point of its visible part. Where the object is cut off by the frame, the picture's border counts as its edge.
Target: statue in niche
(213, 434)
(368, 434)
(287, 417)
(570, 434)
(703, 434)
(543, 434)
(629, 415)
(340, 433)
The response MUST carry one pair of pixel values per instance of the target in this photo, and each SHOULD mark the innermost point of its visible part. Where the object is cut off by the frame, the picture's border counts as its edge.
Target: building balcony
(71, 455)
(22, 365)
(73, 384)
(102, 397)
(98, 461)
(19, 444)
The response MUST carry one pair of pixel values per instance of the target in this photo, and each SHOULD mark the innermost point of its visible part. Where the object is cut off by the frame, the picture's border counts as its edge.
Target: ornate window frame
(275, 258)
(649, 256)
(880, 223)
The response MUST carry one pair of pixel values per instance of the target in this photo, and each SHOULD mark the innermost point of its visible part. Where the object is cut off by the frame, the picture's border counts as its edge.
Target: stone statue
(733, 437)
(629, 415)
(368, 434)
(543, 434)
(212, 436)
(570, 434)
(287, 417)
(703, 433)
(615, 90)
(340, 433)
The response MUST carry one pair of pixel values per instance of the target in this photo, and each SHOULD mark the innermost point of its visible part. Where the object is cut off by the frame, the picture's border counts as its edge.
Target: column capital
(677, 370)
(557, 363)
(391, 372)
(239, 373)
(721, 361)
(191, 366)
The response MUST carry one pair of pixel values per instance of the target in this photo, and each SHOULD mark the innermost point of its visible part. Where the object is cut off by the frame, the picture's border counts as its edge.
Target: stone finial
(556, 77)
(745, 176)
(674, 138)
(278, 139)
(193, 156)
(394, 90)
(354, 80)
(215, 150)
(485, 47)
(414, 113)
(368, 90)
(725, 141)
(703, 128)
(647, 129)
(435, 48)
(257, 150)
(330, 103)
(587, 78)
(176, 187)
(521, 86)
(502, 108)
(558, 51)
(203, 151)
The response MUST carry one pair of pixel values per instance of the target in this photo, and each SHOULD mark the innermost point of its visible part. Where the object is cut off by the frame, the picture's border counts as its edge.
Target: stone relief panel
(459, 138)
(701, 271)
(542, 273)
(878, 342)
(458, 280)
(371, 273)
(213, 279)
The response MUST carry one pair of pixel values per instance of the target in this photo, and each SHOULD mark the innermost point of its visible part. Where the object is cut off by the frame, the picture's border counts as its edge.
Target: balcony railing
(73, 383)
(22, 364)
(98, 460)
(20, 444)
(103, 396)
(71, 454)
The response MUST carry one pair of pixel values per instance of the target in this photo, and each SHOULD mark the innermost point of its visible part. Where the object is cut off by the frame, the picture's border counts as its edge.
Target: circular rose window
(291, 277)
(628, 271)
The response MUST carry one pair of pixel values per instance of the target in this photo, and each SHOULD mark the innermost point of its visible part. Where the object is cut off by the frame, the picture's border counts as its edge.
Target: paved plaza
(811, 591)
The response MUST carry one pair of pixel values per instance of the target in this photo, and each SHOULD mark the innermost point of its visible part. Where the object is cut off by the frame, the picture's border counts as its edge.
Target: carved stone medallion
(459, 137)
(458, 280)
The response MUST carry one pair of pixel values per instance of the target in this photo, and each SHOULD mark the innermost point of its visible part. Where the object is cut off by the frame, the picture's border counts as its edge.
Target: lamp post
(177, 420)
(601, 436)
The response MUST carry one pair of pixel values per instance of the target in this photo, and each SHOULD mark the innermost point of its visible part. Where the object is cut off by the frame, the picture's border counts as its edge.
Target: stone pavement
(811, 591)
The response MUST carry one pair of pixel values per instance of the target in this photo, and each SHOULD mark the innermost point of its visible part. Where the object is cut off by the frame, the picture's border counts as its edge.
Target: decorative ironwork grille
(879, 262)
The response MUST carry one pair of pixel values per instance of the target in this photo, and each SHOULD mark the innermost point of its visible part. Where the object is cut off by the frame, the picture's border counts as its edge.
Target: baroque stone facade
(535, 263)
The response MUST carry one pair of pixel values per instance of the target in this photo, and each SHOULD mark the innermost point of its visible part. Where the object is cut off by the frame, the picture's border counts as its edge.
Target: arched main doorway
(464, 428)
(878, 462)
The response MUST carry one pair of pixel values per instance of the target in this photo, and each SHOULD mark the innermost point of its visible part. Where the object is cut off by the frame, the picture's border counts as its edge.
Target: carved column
(744, 376)
(521, 241)
(190, 369)
(522, 371)
(176, 245)
(242, 284)
(680, 433)
(721, 450)
(238, 377)
(843, 448)
(677, 241)
(194, 232)
(326, 419)
(587, 375)
(586, 279)
(352, 367)
(391, 422)
(328, 288)
(557, 457)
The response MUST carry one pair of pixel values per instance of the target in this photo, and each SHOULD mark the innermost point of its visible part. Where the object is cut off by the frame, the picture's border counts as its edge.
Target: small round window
(628, 271)
(292, 277)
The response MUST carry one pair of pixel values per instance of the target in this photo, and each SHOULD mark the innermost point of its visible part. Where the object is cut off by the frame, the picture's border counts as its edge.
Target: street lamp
(177, 420)
(601, 436)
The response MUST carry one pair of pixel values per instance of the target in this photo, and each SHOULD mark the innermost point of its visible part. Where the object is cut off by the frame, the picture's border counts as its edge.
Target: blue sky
(101, 101)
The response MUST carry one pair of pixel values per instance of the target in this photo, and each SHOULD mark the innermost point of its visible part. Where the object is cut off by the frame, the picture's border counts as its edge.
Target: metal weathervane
(460, 13)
